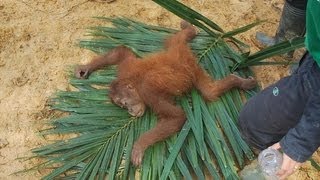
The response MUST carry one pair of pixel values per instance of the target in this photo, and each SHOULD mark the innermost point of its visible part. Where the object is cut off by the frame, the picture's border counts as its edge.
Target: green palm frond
(107, 132)
(277, 49)
(209, 143)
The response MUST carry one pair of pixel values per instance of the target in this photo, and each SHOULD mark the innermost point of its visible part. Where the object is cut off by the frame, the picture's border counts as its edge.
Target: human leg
(291, 25)
(268, 116)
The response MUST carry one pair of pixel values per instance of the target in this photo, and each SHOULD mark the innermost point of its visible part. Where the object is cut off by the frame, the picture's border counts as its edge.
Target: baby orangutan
(155, 80)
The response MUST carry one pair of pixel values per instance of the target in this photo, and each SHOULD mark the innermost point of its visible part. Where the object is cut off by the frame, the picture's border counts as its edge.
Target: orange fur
(158, 78)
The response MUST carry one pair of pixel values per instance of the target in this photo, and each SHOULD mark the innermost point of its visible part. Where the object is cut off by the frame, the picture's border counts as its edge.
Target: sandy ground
(38, 42)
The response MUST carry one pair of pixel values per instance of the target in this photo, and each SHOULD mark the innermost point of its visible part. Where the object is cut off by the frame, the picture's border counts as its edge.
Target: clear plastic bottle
(252, 171)
(270, 161)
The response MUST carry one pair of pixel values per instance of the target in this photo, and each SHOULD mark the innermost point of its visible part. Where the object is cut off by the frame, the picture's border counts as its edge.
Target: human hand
(288, 165)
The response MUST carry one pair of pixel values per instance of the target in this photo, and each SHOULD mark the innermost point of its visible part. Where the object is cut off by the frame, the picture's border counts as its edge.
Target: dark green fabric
(313, 29)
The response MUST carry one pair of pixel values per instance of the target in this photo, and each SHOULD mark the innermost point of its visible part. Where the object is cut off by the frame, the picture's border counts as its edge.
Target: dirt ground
(38, 42)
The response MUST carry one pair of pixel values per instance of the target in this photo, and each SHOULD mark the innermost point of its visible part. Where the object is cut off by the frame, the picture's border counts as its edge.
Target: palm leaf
(209, 144)
(190, 15)
(314, 164)
(241, 30)
(103, 146)
(277, 49)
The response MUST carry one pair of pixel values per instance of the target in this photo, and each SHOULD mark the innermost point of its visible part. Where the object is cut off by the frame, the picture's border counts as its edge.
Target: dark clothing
(300, 4)
(287, 111)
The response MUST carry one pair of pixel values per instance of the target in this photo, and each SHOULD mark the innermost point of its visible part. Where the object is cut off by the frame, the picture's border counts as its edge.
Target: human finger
(276, 146)
(286, 173)
(288, 167)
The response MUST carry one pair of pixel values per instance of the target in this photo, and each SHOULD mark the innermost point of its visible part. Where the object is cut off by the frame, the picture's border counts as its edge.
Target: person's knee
(249, 125)
(243, 124)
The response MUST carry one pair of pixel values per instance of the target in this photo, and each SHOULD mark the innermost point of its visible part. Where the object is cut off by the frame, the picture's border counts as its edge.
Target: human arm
(303, 140)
